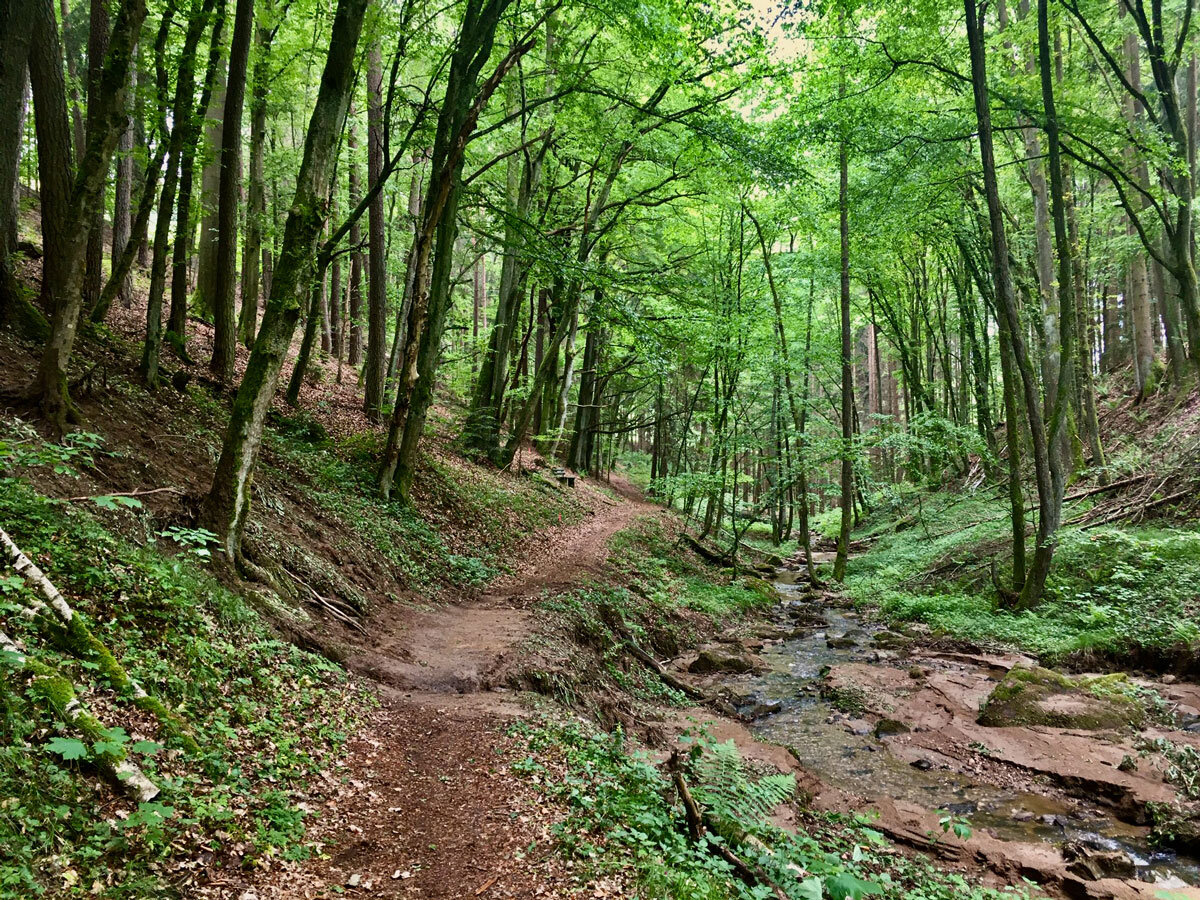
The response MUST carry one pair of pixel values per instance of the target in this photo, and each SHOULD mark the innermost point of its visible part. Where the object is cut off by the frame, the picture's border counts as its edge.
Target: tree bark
(97, 47)
(374, 370)
(224, 355)
(847, 461)
(228, 502)
(177, 321)
(70, 217)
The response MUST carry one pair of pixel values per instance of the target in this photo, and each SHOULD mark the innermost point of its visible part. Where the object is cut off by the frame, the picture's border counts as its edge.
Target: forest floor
(432, 809)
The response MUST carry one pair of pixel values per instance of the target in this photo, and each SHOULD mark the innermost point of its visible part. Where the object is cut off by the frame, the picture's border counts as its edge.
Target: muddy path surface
(886, 723)
(426, 804)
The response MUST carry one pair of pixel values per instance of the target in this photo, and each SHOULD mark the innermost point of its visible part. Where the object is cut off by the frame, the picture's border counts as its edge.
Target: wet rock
(888, 727)
(1037, 696)
(1091, 864)
(760, 709)
(1056, 821)
(922, 764)
(1022, 815)
(890, 640)
(717, 660)
(840, 642)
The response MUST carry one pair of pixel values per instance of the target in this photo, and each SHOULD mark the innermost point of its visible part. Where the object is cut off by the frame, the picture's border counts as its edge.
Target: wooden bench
(563, 478)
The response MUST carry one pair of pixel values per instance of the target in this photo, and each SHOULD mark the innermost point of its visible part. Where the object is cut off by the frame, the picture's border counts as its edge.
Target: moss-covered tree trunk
(71, 217)
(228, 501)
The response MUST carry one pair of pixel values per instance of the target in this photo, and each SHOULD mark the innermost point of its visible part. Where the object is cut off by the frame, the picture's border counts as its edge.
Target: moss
(1037, 696)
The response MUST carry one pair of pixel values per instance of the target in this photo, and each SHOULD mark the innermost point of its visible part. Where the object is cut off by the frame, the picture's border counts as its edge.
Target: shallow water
(862, 763)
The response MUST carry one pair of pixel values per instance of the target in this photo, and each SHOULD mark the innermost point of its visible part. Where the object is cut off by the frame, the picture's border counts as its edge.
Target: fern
(730, 791)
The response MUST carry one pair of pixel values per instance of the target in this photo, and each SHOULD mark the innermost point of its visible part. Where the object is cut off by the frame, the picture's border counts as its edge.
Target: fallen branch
(59, 694)
(670, 680)
(82, 643)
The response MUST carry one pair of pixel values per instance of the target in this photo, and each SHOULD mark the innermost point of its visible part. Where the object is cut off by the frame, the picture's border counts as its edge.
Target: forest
(599, 448)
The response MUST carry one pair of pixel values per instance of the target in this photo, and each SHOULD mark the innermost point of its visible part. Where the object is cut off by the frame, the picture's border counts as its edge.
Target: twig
(161, 490)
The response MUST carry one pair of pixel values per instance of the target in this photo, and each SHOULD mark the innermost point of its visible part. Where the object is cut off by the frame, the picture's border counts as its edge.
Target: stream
(845, 753)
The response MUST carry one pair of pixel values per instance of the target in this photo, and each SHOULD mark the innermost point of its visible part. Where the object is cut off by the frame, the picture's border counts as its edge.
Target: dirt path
(427, 805)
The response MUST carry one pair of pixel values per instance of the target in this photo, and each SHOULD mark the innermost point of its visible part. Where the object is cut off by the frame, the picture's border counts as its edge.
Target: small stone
(250, 894)
(1169, 679)
(923, 764)
(1022, 815)
(354, 880)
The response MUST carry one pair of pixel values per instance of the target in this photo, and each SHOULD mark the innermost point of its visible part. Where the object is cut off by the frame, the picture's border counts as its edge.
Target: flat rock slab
(941, 710)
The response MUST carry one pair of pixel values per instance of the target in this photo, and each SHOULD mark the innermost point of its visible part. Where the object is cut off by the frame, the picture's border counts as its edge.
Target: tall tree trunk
(67, 217)
(1050, 504)
(1006, 300)
(846, 450)
(123, 194)
(180, 255)
(15, 39)
(463, 103)
(228, 502)
(354, 321)
(98, 29)
(256, 199)
(224, 298)
(374, 370)
(182, 115)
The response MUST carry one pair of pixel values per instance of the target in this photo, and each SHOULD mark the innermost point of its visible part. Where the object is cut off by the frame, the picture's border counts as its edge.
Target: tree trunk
(374, 371)
(847, 464)
(14, 61)
(256, 199)
(97, 48)
(67, 218)
(224, 298)
(354, 322)
(228, 502)
(1006, 299)
(177, 320)
(123, 194)
(464, 101)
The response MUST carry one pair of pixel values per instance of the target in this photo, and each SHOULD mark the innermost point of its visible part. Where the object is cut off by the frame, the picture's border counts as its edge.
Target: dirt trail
(427, 805)
(459, 647)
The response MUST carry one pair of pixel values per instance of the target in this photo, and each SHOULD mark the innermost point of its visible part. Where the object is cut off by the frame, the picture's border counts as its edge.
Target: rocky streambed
(1054, 777)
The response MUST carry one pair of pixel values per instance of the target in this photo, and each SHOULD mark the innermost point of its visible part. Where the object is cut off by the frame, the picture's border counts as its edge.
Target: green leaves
(113, 501)
(849, 887)
(67, 748)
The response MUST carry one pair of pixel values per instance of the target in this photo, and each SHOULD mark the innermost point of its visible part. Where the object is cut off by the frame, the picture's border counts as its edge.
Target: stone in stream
(712, 660)
(840, 642)
(888, 727)
(1091, 864)
(890, 640)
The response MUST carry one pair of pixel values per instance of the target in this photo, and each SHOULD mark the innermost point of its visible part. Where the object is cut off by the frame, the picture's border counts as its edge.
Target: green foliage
(624, 815)
(269, 716)
(1111, 591)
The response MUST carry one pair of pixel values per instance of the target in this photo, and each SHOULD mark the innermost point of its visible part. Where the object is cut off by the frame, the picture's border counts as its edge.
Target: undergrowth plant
(625, 814)
(270, 718)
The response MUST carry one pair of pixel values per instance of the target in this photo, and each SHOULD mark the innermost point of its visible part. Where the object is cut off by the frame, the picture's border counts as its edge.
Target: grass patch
(1111, 591)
